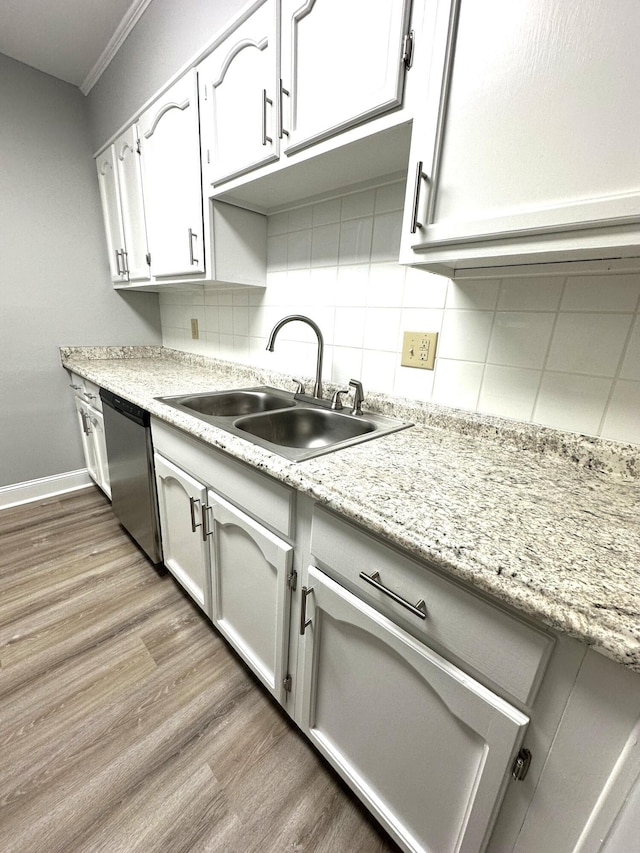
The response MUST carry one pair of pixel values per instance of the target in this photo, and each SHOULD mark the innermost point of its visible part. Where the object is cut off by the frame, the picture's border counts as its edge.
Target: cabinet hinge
(407, 49)
(148, 258)
(287, 683)
(292, 580)
(521, 764)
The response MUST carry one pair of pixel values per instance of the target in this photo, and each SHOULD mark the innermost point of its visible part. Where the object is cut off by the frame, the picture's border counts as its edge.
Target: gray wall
(167, 36)
(54, 277)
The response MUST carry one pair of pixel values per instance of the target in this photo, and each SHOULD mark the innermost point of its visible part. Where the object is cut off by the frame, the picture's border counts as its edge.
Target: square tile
(299, 249)
(382, 329)
(534, 293)
(588, 343)
(465, 335)
(325, 241)
(423, 289)
(570, 402)
(478, 294)
(457, 383)
(622, 420)
(520, 339)
(355, 241)
(631, 363)
(387, 229)
(326, 211)
(390, 197)
(606, 292)
(358, 205)
(509, 392)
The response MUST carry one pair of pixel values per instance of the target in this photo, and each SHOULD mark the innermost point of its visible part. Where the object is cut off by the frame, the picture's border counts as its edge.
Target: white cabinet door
(127, 162)
(342, 64)
(238, 83)
(111, 211)
(250, 591)
(94, 444)
(427, 748)
(170, 143)
(535, 155)
(181, 501)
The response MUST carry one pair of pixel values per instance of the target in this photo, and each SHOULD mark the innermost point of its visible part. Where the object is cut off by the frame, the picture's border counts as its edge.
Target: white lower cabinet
(181, 499)
(251, 594)
(94, 444)
(91, 423)
(427, 748)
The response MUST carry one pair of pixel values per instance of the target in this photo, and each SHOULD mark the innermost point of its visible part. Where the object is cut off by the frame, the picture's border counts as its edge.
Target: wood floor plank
(127, 724)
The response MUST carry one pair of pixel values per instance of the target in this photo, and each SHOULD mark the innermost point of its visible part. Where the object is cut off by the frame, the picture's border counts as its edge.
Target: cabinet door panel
(251, 596)
(88, 445)
(424, 745)
(180, 501)
(237, 93)
(341, 64)
(170, 140)
(110, 198)
(127, 160)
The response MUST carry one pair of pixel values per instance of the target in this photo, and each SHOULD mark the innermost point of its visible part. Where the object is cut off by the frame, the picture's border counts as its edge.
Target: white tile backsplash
(558, 350)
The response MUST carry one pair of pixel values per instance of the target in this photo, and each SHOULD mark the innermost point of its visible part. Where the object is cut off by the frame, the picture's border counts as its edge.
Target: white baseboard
(45, 487)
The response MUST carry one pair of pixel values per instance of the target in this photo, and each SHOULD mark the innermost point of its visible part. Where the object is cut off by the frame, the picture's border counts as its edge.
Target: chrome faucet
(317, 388)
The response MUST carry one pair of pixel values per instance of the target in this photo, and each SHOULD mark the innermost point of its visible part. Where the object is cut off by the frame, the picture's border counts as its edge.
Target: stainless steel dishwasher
(130, 455)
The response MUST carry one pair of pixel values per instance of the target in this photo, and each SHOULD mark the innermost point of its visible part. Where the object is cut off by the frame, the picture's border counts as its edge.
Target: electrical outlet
(419, 350)
(194, 329)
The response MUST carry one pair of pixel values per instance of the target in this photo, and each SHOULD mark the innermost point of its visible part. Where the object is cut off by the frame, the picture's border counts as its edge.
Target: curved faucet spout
(317, 388)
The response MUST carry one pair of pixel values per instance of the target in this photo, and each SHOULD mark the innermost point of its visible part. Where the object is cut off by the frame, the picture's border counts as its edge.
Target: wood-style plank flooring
(126, 722)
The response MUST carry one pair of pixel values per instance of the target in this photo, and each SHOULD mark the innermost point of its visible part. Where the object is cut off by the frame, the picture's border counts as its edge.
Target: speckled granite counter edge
(590, 452)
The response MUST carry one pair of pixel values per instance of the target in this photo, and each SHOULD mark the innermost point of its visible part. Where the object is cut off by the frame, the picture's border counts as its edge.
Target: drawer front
(481, 636)
(85, 390)
(259, 496)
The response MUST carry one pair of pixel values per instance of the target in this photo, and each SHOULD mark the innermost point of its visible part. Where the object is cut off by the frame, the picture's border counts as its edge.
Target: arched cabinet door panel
(427, 748)
(250, 590)
(237, 84)
(342, 64)
(111, 211)
(181, 502)
(170, 144)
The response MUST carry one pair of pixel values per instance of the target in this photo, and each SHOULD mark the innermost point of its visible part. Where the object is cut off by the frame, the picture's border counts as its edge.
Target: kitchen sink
(232, 403)
(280, 422)
(309, 428)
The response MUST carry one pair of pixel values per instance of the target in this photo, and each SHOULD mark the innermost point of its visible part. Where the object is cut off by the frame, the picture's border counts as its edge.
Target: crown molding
(125, 26)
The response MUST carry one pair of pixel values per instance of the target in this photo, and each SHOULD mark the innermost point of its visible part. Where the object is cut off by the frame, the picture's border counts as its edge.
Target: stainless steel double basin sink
(279, 421)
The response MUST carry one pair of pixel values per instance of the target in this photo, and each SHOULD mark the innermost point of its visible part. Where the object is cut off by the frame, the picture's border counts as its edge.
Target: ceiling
(73, 40)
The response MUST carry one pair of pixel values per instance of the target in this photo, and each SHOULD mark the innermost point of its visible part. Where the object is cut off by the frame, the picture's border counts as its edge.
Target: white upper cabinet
(342, 64)
(127, 161)
(238, 83)
(529, 151)
(170, 141)
(110, 197)
(120, 181)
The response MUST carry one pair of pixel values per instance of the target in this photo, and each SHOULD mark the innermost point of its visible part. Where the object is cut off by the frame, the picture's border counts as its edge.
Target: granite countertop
(543, 520)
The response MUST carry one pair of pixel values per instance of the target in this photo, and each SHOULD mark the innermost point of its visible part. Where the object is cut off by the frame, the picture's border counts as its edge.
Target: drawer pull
(419, 609)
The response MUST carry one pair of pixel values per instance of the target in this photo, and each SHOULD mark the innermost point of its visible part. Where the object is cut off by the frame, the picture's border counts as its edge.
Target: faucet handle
(358, 397)
(300, 389)
(336, 402)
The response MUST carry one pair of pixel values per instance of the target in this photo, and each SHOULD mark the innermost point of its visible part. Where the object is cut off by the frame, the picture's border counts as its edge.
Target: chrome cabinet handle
(303, 609)
(192, 509)
(206, 530)
(86, 423)
(265, 101)
(282, 91)
(192, 236)
(125, 262)
(75, 387)
(118, 269)
(419, 609)
(420, 176)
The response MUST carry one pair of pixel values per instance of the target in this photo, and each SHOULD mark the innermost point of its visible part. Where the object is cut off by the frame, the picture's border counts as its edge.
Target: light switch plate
(419, 350)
